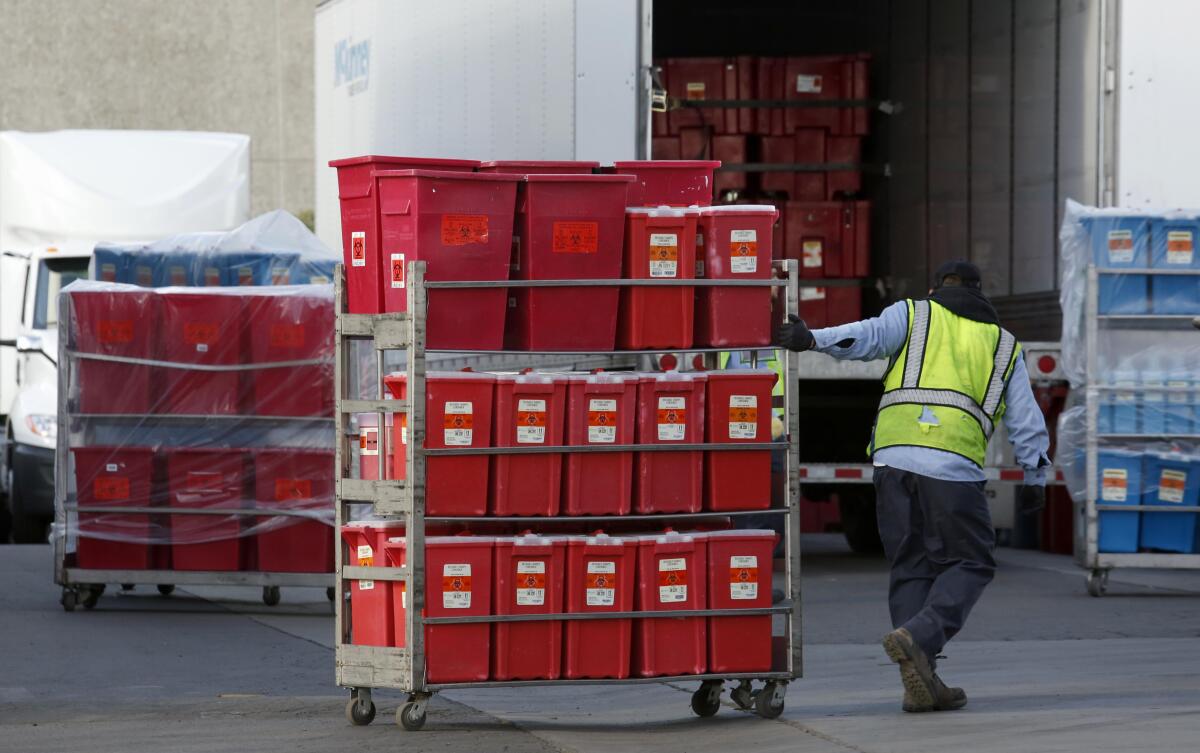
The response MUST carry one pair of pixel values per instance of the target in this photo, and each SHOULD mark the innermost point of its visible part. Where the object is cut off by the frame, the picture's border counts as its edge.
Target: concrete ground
(1047, 669)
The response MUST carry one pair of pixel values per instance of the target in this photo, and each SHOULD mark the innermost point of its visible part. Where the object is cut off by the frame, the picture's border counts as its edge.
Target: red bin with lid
(530, 411)
(358, 196)
(114, 477)
(370, 600)
(600, 578)
(297, 480)
(601, 410)
(675, 183)
(672, 575)
(285, 328)
(737, 246)
(115, 323)
(670, 410)
(738, 410)
(739, 577)
(569, 227)
(827, 77)
(660, 244)
(461, 225)
(204, 328)
(529, 572)
(209, 479)
(829, 238)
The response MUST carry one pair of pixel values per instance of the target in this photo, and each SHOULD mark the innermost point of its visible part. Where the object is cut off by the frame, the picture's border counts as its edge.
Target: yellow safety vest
(945, 388)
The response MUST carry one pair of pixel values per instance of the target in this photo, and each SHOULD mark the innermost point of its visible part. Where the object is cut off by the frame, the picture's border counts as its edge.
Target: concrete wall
(209, 65)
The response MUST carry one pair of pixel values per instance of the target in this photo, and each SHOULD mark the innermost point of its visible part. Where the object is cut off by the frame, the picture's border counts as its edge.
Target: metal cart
(364, 668)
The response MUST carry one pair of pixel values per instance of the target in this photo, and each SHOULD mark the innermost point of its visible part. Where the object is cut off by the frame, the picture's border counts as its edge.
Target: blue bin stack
(1119, 479)
(1170, 480)
(1173, 246)
(1121, 242)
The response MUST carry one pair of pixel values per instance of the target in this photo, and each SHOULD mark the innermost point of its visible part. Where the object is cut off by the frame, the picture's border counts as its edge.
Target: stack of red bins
(601, 410)
(738, 410)
(530, 411)
(298, 481)
(371, 614)
(660, 244)
(672, 575)
(734, 243)
(530, 571)
(207, 479)
(203, 328)
(296, 330)
(670, 411)
(739, 577)
(114, 477)
(601, 574)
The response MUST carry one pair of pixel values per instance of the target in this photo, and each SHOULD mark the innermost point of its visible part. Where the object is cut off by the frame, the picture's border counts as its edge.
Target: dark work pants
(939, 539)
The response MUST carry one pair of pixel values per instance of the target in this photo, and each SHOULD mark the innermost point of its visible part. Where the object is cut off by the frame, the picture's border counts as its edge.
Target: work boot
(920, 690)
(948, 699)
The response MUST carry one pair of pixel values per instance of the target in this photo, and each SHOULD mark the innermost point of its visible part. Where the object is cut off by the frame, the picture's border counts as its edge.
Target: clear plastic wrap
(205, 412)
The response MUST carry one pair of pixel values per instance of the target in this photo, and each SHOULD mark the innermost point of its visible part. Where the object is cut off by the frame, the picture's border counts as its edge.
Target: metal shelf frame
(364, 668)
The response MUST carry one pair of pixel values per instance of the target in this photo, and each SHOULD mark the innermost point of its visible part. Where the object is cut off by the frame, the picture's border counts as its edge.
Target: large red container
(211, 480)
(698, 79)
(461, 225)
(458, 583)
(738, 410)
(291, 327)
(670, 410)
(830, 239)
(113, 477)
(461, 403)
(737, 246)
(672, 575)
(600, 578)
(529, 580)
(739, 577)
(660, 244)
(827, 307)
(200, 328)
(836, 77)
(569, 227)
(675, 183)
(539, 167)
(601, 410)
(371, 612)
(296, 480)
(530, 411)
(115, 323)
(359, 199)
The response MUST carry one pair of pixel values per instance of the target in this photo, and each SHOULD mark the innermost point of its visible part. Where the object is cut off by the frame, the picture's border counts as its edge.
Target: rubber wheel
(408, 717)
(270, 595)
(92, 597)
(330, 593)
(704, 702)
(764, 704)
(166, 589)
(743, 698)
(1097, 583)
(69, 600)
(857, 509)
(358, 714)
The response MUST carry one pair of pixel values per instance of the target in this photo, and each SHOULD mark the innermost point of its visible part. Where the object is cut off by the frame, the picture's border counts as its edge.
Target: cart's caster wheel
(411, 716)
(359, 714)
(742, 696)
(330, 593)
(270, 595)
(166, 589)
(127, 586)
(1097, 582)
(706, 701)
(768, 702)
(91, 597)
(69, 599)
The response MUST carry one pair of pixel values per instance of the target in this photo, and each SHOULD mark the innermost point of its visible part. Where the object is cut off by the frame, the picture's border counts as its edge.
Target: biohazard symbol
(672, 417)
(599, 581)
(359, 252)
(662, 253)
(601, 419)
(742, 575)
(531, 419)
(531, 581)
(743, 249)
(456, 584)
(457, 422)
(743, 415)
(397, 270)
(671, 579)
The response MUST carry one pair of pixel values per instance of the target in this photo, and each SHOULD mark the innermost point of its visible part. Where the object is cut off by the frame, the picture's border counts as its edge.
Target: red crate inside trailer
(831, 239)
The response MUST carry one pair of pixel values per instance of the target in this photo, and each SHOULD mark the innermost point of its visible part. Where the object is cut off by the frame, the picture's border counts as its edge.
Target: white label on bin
(1180, 396)
(457, 424)
(812, 254)
(1171, 485)
(601, 584)
(201, 347)
(812, 294)
(672, 419)
(531, 584)
(366, 585)
(1114, 485)
(672, 580)
(808, 84)
(110, 467)
(743, 251)
(368, 441)
(358, 249)
(743, 416)
(397, 271)
(1180, 247)
(664, 255)
(531, 421)
(602, 421)
(456, 586)
(1120, 246)
(366, 558)
(743, 577)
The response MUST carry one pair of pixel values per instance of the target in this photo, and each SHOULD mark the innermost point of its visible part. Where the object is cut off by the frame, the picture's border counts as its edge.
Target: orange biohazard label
(602, 421)
(743, 577)
(200, 333)
(144, 276)
(672, 419)
(743, 251)
(531, 421)
(1114, 485)
(286, 335)
(177, 275)
(672, 580)
(397, 271)
(1180, 247)
(575, 237)
(358, 249)
(464, 229)
(292, 488)
(530, 583)
(116, 332)
(664, 255)
(812, 254)
(245, 276)
(1171, 486)
(280, 275)
(110, 488)
(458, 423)
(743, 416)
(456, 586)
(212, 277)
(601, 584)
(1120, 246)
(108, 272)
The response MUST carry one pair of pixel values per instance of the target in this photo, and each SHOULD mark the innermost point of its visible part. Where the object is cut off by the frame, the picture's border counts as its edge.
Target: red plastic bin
(371, 612)
(461, 225)
(737, 246)
(738, 410)
(291, 327)
(569, 227)
(698, 79)
(115, 323)
(206, 479)
(113, 477)
(660, 244)
(601, 410)
(739, 577)
(675, 183)
(672, 575)
(836, 77)
(539, 167)
(204, 328)
(670, 410)
(300, 480)
(529, 574)
(530, 411)
(600, 578)
(830, 239)
(358, 196)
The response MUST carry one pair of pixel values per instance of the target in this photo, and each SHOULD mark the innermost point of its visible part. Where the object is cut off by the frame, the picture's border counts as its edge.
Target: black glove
(1030, 499)
(795, 335)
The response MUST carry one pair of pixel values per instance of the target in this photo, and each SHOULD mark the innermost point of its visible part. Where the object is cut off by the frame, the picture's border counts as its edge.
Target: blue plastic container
(1181, 409)
(313, 272)
(1123, 408)
(247, 268)
(1119, 480)
(170, 269)
(110, 265)
(1121, 243)
(1173, 246)
(1153, 403)
(1172, 481)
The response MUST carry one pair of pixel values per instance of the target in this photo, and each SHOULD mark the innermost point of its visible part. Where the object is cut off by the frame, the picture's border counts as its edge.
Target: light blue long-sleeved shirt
(883, 337)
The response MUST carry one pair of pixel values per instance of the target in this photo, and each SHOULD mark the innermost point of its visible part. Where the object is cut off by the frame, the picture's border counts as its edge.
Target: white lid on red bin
(675, 376)
(673, 537)
(532, 377)
(600, 538)
(755, 532)
(739, 209)
(603, 377)
(665, 211)
(526, 539)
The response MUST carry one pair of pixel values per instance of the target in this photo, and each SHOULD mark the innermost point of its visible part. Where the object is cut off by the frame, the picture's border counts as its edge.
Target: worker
(954, 373)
